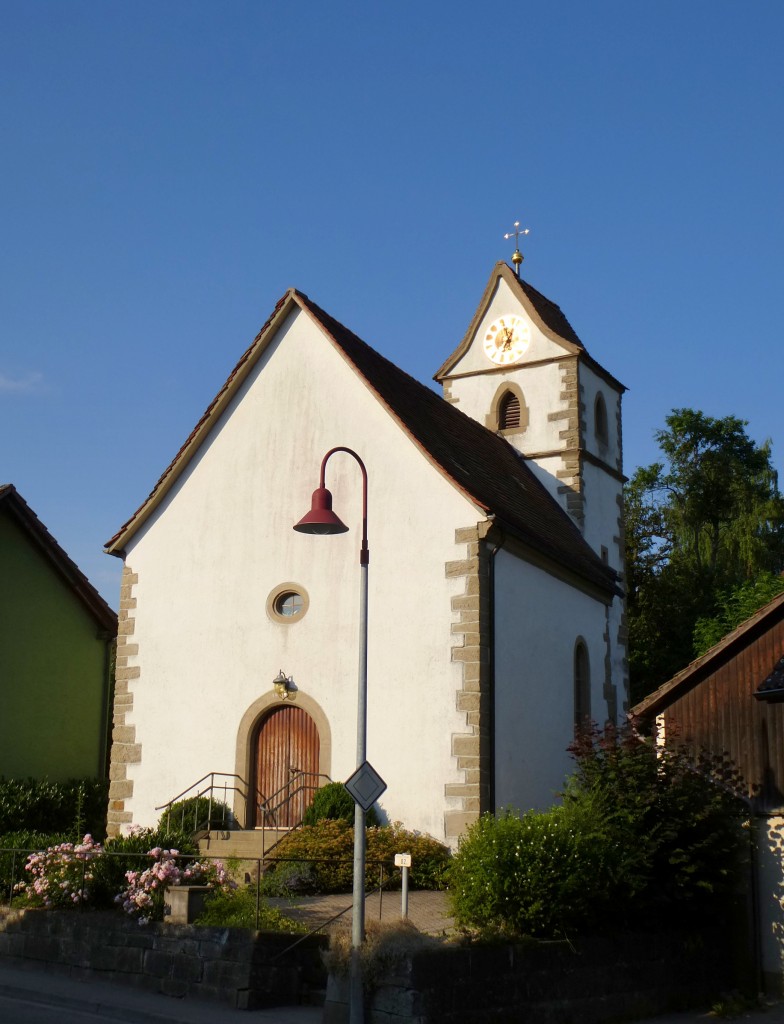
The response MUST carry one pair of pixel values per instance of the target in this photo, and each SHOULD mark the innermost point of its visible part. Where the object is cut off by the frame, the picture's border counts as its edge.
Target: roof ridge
(642, 708)
(479, 437)
(483, 466)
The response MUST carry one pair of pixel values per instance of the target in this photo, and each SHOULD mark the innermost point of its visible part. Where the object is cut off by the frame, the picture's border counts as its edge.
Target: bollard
(403, 860)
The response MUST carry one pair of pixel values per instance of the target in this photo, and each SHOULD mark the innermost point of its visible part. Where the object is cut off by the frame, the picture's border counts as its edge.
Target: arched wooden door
(287, 744)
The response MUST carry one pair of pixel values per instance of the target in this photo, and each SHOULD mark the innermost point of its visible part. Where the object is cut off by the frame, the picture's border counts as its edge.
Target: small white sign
(402, 860)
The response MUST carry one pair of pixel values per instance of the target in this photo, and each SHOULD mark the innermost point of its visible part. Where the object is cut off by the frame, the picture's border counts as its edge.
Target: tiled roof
(772, 687)
(484, 466)
(551, 314)
(695, 672)
(13, 503)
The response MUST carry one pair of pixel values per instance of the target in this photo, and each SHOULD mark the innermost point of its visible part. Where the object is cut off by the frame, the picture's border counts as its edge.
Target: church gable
(514, 325)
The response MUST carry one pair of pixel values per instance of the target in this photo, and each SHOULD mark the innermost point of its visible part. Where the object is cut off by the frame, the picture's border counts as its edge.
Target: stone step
(242, 844)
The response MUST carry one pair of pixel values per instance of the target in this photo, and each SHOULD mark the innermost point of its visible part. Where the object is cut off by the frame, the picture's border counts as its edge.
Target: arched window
(509, 412)
(582, 687)
(600, 419)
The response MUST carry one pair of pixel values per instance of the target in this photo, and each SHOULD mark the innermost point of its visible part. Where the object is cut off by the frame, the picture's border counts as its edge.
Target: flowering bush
(145, 892)
(61, 875)
(69, 874)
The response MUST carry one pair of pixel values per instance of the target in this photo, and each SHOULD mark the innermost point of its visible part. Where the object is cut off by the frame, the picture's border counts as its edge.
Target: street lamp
(322, 520)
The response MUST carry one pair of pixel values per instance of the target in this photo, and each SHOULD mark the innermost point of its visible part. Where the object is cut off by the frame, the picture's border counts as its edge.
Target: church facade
(495, 622)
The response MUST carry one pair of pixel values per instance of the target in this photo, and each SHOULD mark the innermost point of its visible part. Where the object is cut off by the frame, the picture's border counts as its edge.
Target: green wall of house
(52, 668)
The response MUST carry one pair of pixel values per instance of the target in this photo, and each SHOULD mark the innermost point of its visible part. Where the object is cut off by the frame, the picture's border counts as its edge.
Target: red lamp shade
(321, 518)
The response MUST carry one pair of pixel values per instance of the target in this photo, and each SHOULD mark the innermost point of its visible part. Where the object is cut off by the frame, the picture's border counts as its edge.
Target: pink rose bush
(144, 895)
(61, 876)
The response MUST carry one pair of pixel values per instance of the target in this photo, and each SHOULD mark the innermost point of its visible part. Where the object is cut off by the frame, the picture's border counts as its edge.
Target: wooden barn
(732, 700)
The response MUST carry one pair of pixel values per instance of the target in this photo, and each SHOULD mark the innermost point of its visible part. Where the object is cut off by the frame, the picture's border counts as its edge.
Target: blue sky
(169, 169)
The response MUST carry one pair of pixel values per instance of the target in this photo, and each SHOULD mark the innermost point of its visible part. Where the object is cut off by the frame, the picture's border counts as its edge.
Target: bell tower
(522, 371)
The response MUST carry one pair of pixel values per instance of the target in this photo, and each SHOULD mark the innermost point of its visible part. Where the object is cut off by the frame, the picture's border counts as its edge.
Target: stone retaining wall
(591, 981)
(242, 968)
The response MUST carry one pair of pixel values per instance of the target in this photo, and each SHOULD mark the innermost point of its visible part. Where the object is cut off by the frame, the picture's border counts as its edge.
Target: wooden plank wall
(721, 714)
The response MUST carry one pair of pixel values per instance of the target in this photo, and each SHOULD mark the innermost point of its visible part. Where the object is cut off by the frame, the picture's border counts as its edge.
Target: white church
(495, 623)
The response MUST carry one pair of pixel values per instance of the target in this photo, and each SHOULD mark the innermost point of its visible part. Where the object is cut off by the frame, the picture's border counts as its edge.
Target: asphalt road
(39, 996)
(24, 1011)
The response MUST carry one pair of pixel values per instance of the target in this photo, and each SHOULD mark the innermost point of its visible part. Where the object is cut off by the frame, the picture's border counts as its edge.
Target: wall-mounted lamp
(284, 686)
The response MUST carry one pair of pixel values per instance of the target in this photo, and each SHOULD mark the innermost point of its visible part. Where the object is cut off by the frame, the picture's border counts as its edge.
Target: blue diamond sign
(365, 786)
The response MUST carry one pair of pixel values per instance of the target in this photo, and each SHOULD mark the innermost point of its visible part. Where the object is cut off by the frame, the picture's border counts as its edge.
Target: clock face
(506, 339)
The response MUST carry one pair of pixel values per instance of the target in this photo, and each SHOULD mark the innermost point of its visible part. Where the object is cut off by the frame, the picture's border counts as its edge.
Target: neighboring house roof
(484, 466)
(543, 311)
(771, 688)
(702, 667)
(12, 503)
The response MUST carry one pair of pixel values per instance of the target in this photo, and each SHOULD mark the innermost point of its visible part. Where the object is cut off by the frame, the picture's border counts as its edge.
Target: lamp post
(322, 520)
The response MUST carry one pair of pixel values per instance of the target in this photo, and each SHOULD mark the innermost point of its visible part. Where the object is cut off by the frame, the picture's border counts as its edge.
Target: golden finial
(517, 256)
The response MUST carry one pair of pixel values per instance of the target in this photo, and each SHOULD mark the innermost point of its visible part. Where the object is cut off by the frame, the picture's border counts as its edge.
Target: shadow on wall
(770, 880)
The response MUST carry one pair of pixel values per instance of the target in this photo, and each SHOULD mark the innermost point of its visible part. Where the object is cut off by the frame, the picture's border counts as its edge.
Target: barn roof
(701, 668)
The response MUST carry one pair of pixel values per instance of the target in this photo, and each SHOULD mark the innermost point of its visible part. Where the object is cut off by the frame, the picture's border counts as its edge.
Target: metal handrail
(209, 789)
(269, 810)
(269, 807)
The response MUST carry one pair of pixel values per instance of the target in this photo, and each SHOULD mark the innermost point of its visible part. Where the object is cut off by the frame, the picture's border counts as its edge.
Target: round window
(287, 603)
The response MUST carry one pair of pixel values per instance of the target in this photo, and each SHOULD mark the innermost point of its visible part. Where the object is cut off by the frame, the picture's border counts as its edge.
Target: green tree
(706, 519)
(734, 607)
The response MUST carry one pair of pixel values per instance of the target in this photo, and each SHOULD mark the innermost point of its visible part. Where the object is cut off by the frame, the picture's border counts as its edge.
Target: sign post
(403, 860)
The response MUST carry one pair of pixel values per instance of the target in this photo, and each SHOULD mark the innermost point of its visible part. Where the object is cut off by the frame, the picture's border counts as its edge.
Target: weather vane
(517, 256)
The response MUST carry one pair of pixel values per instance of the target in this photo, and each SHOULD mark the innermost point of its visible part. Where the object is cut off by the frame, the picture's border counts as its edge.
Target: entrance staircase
(203, 809)
(243, 844)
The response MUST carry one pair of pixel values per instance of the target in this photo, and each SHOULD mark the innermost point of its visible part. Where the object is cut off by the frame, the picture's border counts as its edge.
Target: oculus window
(287, 603)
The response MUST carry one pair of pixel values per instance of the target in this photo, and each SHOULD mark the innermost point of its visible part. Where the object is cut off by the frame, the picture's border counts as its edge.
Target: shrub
(62, 875)
(289, 877)
(679, 815)
(12, 865)
(196, 813)
(68, 874)
(328, 847)
(144, 894)
(385, 946)
(430, 859)
(129, 853)
(640, 832)
(38, 805)
(541, 874)
(236, 908)
(334, 802)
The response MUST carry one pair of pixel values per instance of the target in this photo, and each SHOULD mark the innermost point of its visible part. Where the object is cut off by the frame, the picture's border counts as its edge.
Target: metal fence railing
(13, 870)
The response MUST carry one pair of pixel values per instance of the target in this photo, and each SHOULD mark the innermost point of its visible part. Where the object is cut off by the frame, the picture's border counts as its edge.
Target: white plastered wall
(592, 384)
(534, 679)
(223, 539)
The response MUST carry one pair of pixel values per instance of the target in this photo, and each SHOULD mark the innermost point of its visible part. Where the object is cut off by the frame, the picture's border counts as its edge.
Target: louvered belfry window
(509, 412)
